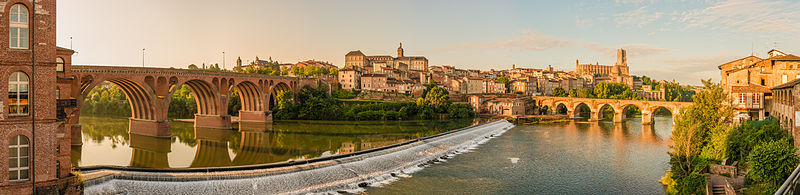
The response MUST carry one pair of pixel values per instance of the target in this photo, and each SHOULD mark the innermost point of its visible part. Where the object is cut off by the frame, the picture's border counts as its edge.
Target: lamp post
(142, 57)
(33, 101)
(223, 60)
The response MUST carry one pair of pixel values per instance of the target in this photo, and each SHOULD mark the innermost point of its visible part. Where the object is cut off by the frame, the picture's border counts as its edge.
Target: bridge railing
(790, 186)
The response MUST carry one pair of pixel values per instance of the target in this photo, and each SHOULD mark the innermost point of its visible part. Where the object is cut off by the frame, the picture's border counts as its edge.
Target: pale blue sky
(682, 40)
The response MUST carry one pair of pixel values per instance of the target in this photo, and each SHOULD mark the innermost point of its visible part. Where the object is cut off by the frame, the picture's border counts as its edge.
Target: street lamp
(223, 60)
(142, 57)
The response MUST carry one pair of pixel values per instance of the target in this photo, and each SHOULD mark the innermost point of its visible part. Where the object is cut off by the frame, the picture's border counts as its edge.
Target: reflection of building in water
(371, 145)
(212, 147)
(347, 147)
(149, 152)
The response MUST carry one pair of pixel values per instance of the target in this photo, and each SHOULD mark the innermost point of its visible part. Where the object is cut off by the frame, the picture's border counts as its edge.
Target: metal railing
(790, 185)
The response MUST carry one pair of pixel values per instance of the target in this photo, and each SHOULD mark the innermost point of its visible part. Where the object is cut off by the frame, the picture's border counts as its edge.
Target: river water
(567, 158)
(106, 142)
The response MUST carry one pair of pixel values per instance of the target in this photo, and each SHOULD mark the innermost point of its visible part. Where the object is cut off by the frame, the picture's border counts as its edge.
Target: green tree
(192, 67)
(772, 162)
(438, 98)
(559, 92)
(333, 71)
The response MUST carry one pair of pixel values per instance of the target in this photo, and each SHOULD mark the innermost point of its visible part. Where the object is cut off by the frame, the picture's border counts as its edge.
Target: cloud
(530, 40)
(746, 16)
(638, 17)
(633, 50)
(583, 22)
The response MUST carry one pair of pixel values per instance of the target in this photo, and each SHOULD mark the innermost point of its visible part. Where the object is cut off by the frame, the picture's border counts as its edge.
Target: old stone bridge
(620, 107)
(149, 91)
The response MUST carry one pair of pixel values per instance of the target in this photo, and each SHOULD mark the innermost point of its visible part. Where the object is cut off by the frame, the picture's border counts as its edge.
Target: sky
(682, 40)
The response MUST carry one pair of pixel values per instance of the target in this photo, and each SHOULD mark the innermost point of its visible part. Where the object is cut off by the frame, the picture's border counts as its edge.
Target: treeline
(674, 92)
(315, 104)
(106, 100)
(704, 134)
(602, 90)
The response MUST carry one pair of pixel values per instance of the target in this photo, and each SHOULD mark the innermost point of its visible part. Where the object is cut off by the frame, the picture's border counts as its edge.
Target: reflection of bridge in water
(253, 143)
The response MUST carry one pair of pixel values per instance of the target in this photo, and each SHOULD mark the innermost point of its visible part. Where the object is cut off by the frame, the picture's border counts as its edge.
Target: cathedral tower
(400, 51)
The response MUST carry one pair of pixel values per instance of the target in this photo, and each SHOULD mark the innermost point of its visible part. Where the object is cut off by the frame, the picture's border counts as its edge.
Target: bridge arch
(276, 90)
(604, 109)
(582, 108)
(139, 96)
(561, 108)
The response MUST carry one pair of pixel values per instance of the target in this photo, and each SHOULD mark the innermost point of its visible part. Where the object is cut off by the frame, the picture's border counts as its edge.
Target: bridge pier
(594, 116)
(212, 121)
(255, 116)
(619, 117)
(647, 118)
(149, 127)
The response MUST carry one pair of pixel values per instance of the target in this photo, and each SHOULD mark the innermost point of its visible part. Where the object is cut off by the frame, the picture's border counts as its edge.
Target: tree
(438, 98)
(192, 67)
(333, 71)
(559, 92)
(708, 117)
(772, 162)
(428, 86)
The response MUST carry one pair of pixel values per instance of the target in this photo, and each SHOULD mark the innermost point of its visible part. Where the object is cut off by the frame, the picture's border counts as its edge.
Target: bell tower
(400, 51)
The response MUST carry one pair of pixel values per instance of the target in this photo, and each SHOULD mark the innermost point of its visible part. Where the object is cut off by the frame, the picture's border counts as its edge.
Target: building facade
(50, 161)
(618, 73)
(361, 61)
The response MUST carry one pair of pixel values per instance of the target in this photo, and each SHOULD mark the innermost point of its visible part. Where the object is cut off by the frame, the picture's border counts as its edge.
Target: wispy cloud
(529, 40)
(633, 50)
(638, 17)
(633, 1)
(691, 69)
(746, 16)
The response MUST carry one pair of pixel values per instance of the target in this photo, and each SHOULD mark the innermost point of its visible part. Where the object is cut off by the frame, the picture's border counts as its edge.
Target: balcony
(63, 104)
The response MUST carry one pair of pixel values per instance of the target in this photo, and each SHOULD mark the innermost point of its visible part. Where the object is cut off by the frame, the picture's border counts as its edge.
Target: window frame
(60, 63)
(19, 168)
(18, 105)
(21, 27)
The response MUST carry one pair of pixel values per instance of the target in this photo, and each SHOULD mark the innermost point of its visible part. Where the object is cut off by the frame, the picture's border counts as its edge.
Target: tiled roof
(786, 57)
(750, 88)
(355, 53)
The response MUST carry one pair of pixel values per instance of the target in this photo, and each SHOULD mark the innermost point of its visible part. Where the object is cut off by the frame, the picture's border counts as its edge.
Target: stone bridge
(149, 91)
(619, 107)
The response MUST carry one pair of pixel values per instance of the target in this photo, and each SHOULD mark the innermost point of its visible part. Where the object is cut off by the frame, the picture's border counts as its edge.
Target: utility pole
(33, 99)
(142, 57)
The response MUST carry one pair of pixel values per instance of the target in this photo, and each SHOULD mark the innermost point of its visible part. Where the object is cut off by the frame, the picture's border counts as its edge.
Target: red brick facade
(52, 143)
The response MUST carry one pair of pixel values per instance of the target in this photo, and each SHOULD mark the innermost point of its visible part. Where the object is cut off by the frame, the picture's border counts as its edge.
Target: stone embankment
(343, 173)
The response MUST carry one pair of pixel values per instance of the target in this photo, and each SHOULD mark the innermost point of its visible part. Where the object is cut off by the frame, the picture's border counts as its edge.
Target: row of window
(743, 98)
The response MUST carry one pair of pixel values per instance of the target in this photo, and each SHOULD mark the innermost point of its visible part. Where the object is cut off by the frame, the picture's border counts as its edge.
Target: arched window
(18, 27)
(59, 64)
(18, 158)
(18, 94)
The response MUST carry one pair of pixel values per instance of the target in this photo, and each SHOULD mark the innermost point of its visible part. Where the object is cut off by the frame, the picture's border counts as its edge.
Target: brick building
(784, 106)
(350, 78)
(361, 61)
(618, 73)
(51, 157)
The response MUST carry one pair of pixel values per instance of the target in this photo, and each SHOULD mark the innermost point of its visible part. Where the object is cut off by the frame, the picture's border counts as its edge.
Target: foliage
(505, 81)
(315, 104)
(692, 184)
(772, 162)
(182, 104)
(696, 129)
(580, 93)
(106, 100)
(559, 92)
(428, 86)
(615, 91)
(343, 94)
(743, 138)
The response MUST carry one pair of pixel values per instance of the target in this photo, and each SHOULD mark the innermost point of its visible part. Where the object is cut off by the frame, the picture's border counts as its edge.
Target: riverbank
(539, 119)
(349, 172)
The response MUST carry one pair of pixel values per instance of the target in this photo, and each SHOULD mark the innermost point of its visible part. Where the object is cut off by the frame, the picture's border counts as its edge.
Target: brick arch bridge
(149, 92)
(573, 105)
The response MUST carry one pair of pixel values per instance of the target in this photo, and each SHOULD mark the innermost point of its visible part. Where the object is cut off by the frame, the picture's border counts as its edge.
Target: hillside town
(402, 74)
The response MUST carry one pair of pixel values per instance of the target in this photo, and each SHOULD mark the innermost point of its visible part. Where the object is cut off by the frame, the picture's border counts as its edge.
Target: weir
(349, 172)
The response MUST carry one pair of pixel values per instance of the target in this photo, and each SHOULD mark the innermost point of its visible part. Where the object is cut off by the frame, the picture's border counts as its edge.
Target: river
(567, 158)
(576, 157)
(106, 142)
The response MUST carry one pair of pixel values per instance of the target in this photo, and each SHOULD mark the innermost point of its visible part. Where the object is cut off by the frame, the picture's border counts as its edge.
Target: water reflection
(568, 158)
(107, 142)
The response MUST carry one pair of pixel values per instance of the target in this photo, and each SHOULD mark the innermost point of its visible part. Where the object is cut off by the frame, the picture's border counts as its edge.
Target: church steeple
(400, 50)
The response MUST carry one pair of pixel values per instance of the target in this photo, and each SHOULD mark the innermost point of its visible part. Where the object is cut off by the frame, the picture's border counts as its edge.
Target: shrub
(772, 162)
(370, 115)
(392, 115)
